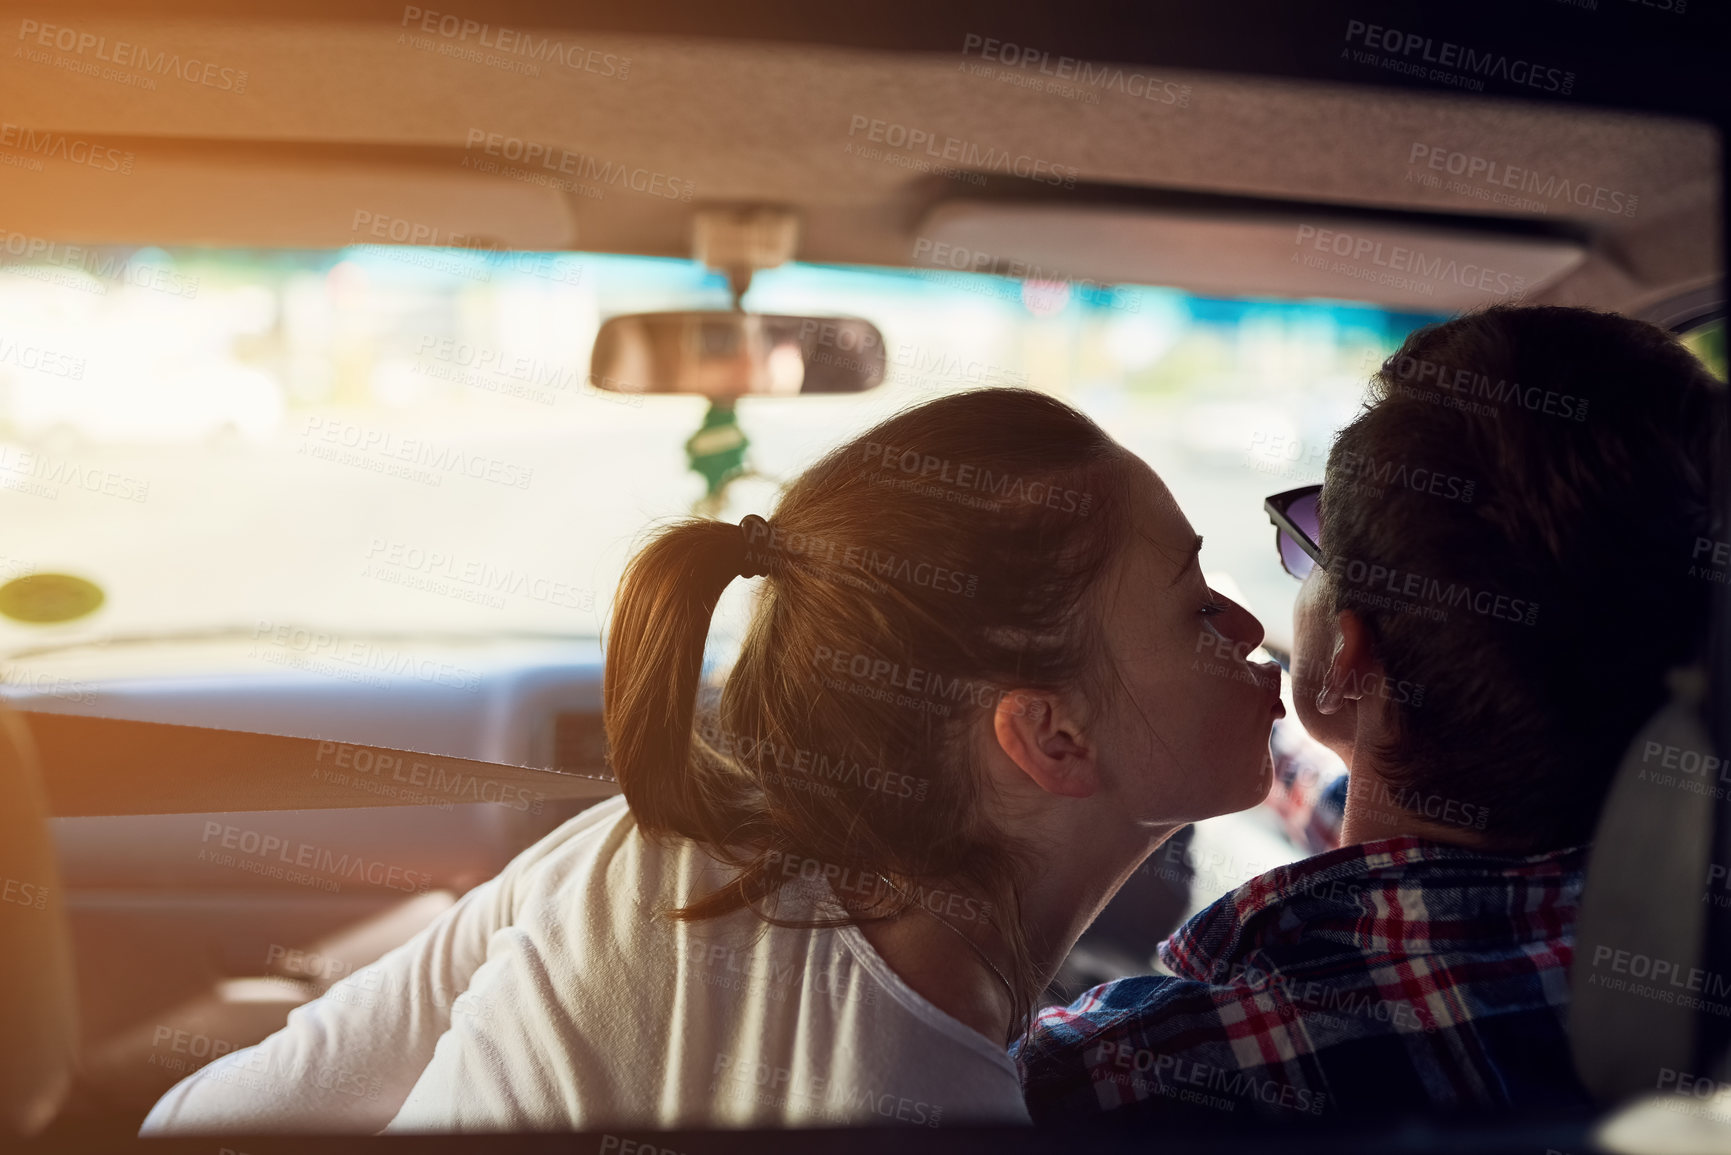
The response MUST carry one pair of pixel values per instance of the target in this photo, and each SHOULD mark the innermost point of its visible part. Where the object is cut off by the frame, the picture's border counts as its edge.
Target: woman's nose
(1243, 626)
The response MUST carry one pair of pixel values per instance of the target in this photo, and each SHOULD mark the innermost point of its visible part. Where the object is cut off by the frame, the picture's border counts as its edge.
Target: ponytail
(654, 661)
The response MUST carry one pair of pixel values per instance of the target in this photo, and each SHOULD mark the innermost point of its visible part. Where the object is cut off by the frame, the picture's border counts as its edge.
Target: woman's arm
(346, 1061)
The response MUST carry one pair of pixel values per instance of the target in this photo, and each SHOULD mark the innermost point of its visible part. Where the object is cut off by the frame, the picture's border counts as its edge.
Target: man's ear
(1040, 733)
(1351, 667)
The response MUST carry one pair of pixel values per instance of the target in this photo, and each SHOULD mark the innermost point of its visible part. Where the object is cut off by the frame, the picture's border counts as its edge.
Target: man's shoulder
(1320, 977)
(1122, 1007)
(1129, 1024)
(1167, 1045)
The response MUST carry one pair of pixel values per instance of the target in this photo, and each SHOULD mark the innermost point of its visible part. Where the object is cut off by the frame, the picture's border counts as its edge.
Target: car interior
(348, 355)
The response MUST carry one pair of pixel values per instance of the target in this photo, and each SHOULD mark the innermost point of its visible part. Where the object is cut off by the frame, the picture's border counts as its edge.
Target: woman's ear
(1351, 666)
(1042, 735)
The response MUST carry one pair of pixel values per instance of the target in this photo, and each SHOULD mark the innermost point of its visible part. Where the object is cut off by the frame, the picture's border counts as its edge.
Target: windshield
(405, 441)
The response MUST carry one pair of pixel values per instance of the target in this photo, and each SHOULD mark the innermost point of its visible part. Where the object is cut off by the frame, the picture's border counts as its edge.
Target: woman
(965, 710)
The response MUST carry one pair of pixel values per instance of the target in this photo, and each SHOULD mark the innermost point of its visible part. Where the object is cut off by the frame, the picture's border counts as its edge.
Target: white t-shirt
(557, 995)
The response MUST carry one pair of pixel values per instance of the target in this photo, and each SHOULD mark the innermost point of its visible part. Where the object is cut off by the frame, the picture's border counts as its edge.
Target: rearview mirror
(723, 356)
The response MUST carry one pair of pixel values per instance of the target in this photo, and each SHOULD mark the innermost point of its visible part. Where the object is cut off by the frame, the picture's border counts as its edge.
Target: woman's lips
(1268, 676)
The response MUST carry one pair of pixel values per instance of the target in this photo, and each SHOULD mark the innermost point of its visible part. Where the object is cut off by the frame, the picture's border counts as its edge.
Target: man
(1500, 570)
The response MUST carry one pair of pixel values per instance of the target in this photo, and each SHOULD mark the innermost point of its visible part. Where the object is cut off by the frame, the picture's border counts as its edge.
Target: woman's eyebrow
(1195, 552)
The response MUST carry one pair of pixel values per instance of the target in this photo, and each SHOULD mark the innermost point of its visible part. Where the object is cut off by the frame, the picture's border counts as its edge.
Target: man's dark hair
(1518, 514)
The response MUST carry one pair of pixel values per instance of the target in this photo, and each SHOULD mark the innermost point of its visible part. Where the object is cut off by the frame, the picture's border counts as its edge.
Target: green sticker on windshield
(49, 597)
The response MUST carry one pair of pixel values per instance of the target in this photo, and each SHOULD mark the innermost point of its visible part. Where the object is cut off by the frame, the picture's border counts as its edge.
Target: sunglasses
(1296, 529)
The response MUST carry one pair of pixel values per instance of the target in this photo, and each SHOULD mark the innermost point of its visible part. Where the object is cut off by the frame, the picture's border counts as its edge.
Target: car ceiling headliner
(341, 118)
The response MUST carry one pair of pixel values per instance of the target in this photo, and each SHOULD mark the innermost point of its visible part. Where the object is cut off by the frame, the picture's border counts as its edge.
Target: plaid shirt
(1393, 976)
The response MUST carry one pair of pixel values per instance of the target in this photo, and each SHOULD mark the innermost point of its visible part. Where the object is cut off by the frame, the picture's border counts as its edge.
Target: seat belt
(107, 766)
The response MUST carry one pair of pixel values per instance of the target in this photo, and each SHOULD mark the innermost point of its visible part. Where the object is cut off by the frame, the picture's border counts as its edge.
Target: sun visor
(1219, 254)
(278, 199)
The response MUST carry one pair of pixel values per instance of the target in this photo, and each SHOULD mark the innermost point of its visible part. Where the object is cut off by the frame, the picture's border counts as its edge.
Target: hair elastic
(753, 529)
